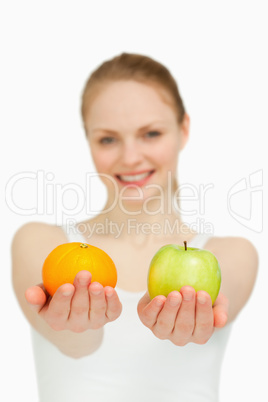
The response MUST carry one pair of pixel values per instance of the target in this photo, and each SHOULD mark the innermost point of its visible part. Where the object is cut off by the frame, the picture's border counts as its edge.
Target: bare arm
(63, 320)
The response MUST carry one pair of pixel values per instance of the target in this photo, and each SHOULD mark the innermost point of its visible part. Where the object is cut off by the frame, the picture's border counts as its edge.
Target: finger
(114, 306)
(185, 321)
(167, 316)
(36, 297)
(58, 310)
(78, 316)
(97, 305)
(204, 319)
(220, 311)
(148, 309)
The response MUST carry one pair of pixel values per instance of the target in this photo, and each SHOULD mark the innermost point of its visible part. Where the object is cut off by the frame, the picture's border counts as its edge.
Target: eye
(152, 134)
(107, 140)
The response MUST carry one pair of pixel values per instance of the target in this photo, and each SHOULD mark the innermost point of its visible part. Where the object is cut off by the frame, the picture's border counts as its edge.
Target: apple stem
(185, 245)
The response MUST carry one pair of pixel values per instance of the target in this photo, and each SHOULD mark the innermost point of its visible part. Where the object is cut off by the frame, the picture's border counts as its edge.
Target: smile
(135, 178)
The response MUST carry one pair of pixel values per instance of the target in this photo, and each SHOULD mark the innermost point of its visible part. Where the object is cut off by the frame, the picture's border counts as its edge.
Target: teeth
(136, 177)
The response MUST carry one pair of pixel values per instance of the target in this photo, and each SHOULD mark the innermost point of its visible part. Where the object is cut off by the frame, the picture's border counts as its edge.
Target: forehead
(129, 101)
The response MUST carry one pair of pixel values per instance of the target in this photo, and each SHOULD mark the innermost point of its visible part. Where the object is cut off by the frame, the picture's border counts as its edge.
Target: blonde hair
(129, 66)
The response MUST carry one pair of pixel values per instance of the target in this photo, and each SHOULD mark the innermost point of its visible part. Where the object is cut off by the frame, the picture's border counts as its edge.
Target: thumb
(143, 302)
(36, 297)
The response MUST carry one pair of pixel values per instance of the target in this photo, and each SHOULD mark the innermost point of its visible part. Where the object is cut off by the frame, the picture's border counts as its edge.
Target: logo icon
(245, 201)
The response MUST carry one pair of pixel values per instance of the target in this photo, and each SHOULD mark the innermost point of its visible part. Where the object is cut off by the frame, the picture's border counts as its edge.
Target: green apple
(174, 266)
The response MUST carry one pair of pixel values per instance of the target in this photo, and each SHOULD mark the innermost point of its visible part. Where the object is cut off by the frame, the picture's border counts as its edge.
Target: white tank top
(131, 365)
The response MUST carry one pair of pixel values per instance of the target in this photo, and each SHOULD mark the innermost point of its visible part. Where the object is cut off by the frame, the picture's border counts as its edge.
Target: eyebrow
(144, 128)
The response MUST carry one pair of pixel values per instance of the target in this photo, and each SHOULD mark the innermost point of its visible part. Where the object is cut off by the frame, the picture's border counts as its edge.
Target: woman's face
(135, 138)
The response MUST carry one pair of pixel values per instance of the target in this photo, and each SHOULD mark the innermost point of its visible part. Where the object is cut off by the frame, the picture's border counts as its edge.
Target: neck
(155, 218)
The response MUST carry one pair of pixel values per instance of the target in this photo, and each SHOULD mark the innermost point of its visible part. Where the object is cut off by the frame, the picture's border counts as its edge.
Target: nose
(131, 153)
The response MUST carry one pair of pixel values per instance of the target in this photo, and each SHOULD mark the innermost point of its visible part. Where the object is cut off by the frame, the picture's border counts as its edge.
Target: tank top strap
(199, 240)
(72, 234)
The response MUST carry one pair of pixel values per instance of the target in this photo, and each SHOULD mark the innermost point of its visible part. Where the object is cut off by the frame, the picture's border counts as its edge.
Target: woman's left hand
(183, 317)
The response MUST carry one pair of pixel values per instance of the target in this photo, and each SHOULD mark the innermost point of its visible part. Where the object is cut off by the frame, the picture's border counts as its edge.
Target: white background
(217, 52)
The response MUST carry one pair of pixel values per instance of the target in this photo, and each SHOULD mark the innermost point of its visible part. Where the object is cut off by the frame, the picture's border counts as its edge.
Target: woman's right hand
(78, 307)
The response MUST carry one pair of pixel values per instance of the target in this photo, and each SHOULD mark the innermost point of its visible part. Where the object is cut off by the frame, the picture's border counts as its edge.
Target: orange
(66, 260)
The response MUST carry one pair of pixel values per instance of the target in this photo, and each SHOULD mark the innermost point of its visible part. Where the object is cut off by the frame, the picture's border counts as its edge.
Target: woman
(92, 342)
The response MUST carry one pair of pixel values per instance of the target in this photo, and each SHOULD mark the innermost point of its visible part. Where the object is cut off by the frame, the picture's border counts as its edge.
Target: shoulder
(36, 240)
(238, 260)
(37, 232)
(31, 245)
(238, 248)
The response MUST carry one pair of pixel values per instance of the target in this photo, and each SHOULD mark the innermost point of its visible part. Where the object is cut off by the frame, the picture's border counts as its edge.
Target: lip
(139, 183)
